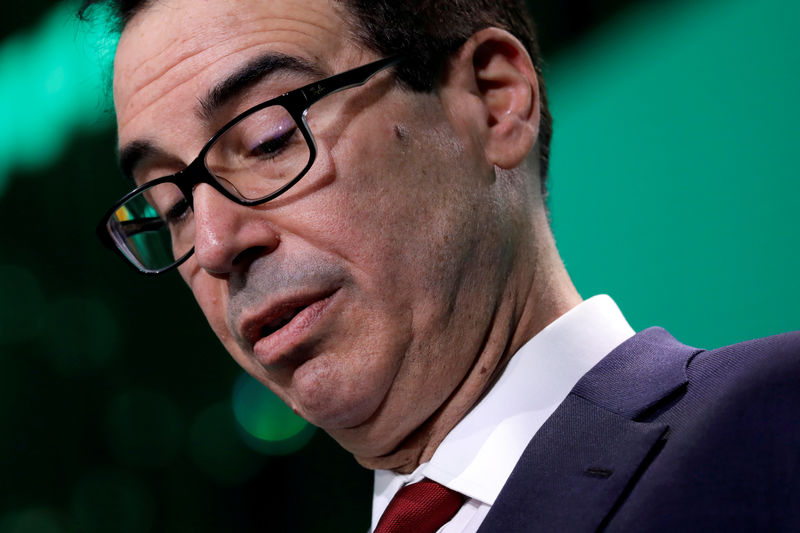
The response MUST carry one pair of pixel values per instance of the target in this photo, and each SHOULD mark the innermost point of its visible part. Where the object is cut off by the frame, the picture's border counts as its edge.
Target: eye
(177, 212)
(166, 203)
(274, 144)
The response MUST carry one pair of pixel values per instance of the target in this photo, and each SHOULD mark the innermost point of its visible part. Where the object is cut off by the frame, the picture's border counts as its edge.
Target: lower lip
(275, 348)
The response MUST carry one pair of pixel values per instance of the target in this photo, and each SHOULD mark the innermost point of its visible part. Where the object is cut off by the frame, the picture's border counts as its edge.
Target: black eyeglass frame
(296, 102)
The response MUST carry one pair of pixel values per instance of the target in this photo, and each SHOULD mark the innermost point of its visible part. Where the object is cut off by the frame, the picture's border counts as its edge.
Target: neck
(535, 297)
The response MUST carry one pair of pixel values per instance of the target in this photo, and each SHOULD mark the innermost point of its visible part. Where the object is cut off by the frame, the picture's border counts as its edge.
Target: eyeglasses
(252, 159)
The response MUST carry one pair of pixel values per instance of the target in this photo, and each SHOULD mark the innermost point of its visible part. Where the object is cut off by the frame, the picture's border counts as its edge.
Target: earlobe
(508, 88)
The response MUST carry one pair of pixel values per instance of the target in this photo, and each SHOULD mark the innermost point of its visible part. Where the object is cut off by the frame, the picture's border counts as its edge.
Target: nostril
(249, 255)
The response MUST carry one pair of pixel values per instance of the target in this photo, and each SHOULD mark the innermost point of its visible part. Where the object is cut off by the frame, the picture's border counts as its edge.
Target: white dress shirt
(477, 456)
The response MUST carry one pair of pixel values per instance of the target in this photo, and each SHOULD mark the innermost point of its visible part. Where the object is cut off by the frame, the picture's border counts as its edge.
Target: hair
(429, 31)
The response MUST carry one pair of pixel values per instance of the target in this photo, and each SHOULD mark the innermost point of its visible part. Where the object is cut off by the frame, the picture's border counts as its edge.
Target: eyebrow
(218, 96)
(132, 154)
(247, 76)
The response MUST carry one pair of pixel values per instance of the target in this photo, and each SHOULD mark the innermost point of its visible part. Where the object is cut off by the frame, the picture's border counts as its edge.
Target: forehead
(177, 47)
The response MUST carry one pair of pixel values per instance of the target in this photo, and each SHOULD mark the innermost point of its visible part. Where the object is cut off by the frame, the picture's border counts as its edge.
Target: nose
(228, 236)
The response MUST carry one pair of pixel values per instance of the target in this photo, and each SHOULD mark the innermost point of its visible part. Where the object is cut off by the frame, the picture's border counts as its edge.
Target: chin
(335, 414)
(333, 398)
(372, 440)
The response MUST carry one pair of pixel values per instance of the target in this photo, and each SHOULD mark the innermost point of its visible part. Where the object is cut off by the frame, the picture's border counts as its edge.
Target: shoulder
(768, 364)
(741, 400)
(729, 459)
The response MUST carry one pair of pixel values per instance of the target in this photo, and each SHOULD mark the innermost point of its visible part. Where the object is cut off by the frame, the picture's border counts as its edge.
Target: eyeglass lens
(251, 160)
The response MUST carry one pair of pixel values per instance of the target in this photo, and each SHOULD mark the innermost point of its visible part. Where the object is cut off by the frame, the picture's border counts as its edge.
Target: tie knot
(421, 507)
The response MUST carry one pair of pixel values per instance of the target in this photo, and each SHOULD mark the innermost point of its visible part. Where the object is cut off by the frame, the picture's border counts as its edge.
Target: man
(366, 233)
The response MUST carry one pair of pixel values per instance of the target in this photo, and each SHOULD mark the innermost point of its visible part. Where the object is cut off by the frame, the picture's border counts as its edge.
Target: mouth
(273, 333)
(274, 325)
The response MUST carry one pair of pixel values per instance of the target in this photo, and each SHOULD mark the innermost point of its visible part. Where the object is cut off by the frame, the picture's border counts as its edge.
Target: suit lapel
(590, 452)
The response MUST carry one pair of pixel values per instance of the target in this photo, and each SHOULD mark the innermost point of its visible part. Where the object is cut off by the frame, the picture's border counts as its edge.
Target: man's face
(361, 295)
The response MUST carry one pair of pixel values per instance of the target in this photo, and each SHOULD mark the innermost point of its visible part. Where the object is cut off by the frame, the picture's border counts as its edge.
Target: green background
(673, 188)
(675, 185)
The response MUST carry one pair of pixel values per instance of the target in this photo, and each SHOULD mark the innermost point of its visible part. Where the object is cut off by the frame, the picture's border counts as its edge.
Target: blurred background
(674, 188)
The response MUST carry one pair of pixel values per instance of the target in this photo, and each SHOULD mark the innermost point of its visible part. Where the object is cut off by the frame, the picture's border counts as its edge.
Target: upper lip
(261, 323)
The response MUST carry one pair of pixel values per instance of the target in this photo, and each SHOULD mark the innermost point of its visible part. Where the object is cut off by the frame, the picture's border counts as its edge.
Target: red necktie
(421, 507)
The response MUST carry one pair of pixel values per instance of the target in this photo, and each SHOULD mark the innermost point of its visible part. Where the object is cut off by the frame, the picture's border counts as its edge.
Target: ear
(494, 67)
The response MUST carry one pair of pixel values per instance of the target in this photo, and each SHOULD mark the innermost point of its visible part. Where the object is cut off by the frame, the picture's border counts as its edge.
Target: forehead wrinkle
(197, 56)
(242, 32)
(211, 32)
(154, 93)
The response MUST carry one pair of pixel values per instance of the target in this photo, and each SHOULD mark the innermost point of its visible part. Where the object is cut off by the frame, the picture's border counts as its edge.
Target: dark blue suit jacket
(660, 436)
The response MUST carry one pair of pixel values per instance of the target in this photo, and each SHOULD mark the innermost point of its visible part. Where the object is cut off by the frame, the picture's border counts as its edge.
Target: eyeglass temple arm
(141, 225)
(346, 80)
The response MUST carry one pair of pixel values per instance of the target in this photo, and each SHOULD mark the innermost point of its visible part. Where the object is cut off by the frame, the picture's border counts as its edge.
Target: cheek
(401, 198)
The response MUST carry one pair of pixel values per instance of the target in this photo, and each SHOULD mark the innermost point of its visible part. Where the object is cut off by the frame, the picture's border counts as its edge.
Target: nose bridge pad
(202, 173)
(230, 187)
(192, 176)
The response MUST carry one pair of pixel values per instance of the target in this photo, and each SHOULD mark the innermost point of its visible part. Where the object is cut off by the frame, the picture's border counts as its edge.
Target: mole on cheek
(400, 132)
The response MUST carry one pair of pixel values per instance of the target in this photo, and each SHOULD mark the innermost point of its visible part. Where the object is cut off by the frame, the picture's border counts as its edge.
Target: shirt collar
(477, 456)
